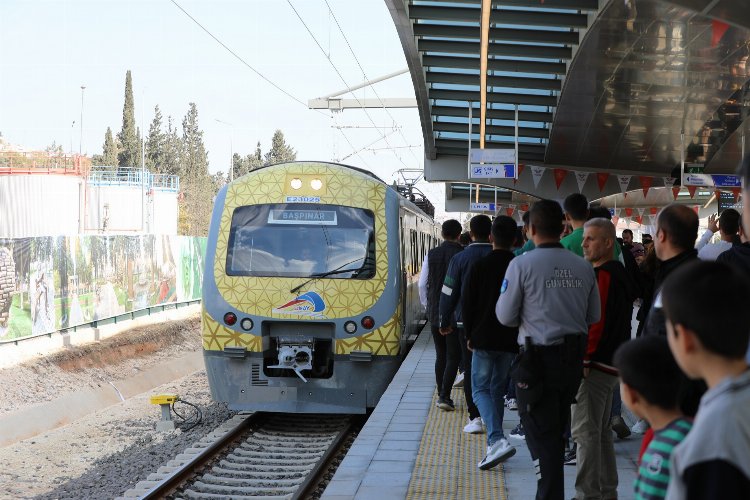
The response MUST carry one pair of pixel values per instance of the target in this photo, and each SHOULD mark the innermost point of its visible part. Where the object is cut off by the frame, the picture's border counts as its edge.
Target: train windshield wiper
(338, 270)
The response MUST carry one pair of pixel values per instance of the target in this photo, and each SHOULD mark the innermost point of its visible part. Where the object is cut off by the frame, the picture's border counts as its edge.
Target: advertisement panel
(53, 283)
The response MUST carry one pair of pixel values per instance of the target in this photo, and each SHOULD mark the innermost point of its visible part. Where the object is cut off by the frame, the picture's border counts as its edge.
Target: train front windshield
(301, 240)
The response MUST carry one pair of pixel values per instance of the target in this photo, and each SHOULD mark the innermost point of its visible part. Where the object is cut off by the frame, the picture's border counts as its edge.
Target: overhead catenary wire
(341, 77)
(239, 58)
(366, 146)
(364, 74)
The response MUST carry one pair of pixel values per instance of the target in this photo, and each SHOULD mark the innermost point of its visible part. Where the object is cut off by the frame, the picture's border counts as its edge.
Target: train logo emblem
(307, 304)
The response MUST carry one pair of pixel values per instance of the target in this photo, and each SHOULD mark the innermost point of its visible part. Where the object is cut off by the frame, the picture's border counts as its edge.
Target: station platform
(411, 449)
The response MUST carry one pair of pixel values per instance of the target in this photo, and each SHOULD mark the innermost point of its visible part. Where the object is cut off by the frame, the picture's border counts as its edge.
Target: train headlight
(316, 184)
(296, 183)
(246, 324)
(350, 327)
(230, 318)
(368, 322)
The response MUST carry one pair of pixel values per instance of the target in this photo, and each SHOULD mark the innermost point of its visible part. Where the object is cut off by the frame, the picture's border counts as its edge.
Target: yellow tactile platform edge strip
(446, 465)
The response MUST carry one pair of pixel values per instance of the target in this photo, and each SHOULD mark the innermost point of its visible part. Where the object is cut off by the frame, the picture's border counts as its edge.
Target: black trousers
(466, 357)
(555, 373)
(447, 358)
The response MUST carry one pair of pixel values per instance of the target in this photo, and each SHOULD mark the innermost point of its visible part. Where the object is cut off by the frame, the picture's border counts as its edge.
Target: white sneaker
(497, 453)
(474, 426)
(459, 380)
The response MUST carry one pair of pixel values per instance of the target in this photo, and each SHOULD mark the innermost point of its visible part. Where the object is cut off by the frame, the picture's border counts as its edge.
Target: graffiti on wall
(53, 283)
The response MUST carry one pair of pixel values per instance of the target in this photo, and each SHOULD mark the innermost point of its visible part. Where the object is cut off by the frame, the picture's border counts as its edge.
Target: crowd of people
(542, 323)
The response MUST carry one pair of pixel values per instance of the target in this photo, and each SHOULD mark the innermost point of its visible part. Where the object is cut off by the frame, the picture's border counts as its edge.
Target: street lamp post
(231, 149)
(80, 142)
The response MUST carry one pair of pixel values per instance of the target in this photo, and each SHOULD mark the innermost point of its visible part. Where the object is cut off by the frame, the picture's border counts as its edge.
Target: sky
(49, 49)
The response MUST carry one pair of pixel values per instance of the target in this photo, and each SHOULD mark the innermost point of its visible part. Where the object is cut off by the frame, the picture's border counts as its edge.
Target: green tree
(172, 156)
(198, 187)
(194, 155)
(155, 144)
(256, 159)
(110, 149)
(280, 151)
(130, 154)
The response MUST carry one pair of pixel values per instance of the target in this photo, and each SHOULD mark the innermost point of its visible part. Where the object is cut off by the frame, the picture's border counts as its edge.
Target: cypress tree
(129, 155)
(155, 144)
(109, 150)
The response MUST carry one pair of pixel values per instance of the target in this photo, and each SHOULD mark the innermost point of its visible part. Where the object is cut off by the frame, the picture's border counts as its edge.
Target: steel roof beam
(494, 97)
(494, 81)
(549, 4)
(523, 148)
(493, 114)
(513, 17)
(506, 34)
(461, 128)
(544, 68)
(495, 49)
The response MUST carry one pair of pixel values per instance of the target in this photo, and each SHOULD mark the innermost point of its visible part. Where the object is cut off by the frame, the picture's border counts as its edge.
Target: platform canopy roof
(626, 87)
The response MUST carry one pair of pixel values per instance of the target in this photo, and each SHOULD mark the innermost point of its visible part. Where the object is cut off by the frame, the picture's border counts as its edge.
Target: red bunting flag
(615, 220)
(653, 210)
(601, 179)
(509, 211)
(646, 184)
(736, 193)
(639, 219)
(524, 207)
(520, 170)
(560, 174)
(691, 190)
(696, 208)
(629, 212)
(717, 31)
(675, 191)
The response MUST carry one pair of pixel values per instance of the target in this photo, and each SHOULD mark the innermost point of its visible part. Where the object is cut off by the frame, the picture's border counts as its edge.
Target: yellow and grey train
(310, 288)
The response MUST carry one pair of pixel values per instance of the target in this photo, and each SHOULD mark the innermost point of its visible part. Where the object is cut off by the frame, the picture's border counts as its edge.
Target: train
(310, 288)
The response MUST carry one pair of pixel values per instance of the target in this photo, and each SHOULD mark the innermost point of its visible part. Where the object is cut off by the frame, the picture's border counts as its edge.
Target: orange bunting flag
(601, 179)
(615, 220)
(736, 193)
(675, 191)
(645, 184)
(509, 211)
(691, 190)
(629, 212)
(653, 210)
(560, 174)
(524, 207)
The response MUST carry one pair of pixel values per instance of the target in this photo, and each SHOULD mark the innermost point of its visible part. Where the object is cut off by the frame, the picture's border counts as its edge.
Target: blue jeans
(489, 378)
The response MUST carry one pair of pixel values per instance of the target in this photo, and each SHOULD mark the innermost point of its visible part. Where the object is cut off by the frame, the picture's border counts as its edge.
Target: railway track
(252, 456)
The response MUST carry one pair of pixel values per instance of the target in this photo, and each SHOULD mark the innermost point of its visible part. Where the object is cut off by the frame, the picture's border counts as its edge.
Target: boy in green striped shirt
(649, 384)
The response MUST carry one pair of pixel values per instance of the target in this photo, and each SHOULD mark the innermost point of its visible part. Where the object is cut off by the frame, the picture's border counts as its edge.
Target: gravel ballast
(104, 453)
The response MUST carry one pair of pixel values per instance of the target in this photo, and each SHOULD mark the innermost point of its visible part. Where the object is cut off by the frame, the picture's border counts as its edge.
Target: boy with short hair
(708, 327)
(649, 378)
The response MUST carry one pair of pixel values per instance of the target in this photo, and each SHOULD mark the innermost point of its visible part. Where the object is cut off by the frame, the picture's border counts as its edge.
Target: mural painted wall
(52, 283)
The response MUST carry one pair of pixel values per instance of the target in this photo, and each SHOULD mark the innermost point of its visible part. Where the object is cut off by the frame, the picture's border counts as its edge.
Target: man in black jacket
(493, 344)
(676, 232)
(596, 465)
(447, 347)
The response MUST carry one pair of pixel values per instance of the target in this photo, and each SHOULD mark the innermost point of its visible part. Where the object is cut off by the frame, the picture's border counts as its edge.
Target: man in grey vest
(552, 296)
